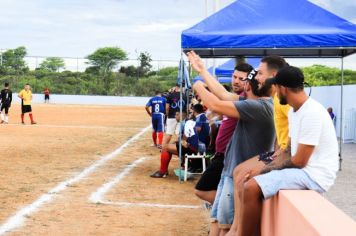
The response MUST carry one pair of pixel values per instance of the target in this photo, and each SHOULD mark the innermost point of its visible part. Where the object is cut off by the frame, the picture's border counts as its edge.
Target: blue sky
(75, 28)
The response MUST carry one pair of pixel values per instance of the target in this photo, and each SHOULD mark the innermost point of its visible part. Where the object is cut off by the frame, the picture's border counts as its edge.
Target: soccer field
(84, 170)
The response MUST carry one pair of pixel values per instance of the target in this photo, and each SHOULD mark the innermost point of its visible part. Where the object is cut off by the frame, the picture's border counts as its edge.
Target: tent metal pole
(341, 113)
(180, 116)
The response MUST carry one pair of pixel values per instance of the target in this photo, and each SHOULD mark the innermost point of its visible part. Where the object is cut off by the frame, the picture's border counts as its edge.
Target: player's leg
(2, 114)
(166, 156)
(23, 111)
(154, 131)
(239, 176)
(160, 129)
(171, 126)
(6, 114)
(30, 114)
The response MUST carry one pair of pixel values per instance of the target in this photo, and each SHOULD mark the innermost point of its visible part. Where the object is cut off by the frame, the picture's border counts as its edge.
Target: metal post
(180, 115)
(341, 113)
(77, 64)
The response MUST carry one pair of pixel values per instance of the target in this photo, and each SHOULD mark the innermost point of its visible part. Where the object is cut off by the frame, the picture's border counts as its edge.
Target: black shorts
(210, 179)
(46, 96)
(185, 151)
(26, 108)
(6, 107)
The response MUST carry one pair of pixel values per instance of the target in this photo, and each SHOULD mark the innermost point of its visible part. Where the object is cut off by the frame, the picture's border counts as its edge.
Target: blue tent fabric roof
(227, 69)
(224, 71)
(295, 28)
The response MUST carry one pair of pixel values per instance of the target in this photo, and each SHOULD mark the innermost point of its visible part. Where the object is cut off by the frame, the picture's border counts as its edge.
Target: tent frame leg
(341, 114)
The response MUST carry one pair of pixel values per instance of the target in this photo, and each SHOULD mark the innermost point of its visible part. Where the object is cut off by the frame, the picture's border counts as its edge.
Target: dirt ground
(68, 139)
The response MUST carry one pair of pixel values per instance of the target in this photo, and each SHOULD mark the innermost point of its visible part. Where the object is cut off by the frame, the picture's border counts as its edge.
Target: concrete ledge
(303, 212)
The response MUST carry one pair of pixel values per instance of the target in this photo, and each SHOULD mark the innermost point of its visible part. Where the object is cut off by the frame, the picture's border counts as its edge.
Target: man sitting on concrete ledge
(311, 163)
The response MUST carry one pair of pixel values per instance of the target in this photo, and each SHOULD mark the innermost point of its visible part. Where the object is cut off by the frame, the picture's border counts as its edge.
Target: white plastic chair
(193, 156)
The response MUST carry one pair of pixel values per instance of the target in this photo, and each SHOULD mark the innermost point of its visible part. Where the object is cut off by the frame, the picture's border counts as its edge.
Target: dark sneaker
(23, 123)
(159, 146)
(158, 174)
(33, 123)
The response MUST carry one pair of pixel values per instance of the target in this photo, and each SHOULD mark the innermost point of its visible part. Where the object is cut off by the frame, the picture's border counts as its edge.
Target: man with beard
(208, 183)
(254, 114)
(310, 163)
(268, 68)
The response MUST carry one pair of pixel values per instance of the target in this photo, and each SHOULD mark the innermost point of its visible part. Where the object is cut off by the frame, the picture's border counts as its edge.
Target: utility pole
(1, 51)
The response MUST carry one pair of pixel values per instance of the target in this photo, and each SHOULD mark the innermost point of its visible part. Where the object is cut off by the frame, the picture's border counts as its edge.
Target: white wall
(330, 96)
(88, 100)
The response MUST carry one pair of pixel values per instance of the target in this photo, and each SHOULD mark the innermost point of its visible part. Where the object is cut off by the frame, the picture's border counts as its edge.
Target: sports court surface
(84, 170)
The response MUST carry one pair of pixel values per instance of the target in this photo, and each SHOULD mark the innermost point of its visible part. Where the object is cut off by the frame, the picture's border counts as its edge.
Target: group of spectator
(270, 136)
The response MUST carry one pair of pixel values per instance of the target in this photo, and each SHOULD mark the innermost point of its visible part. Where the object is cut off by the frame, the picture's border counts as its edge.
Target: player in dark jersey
(46, 94)
(6, 99)
(157, 112)
(174, 104)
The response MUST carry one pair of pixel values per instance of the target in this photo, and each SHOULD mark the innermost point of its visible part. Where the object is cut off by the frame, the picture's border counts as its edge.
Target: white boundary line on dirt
(98, 196)
(19, 217)
(75, 126)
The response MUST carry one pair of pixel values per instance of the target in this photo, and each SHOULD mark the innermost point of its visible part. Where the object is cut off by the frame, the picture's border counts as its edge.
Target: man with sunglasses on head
(208, 183)
(268, 68)
(254, 134)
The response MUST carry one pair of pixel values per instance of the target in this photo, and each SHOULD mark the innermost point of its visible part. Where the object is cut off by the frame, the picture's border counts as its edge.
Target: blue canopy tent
(227, 69)
(255, 28)
(289, 28)
(224, 71)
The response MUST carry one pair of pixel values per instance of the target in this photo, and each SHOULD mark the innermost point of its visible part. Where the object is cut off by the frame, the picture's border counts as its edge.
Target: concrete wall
(330, 96)
(304, 212)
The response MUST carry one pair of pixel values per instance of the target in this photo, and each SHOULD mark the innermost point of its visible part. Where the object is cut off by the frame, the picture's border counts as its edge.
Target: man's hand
(185, 143)
(196, 62)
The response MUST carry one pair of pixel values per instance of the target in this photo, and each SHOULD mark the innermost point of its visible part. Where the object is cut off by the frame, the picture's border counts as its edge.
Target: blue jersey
(202, 122)
(188, 130)
(157, 104)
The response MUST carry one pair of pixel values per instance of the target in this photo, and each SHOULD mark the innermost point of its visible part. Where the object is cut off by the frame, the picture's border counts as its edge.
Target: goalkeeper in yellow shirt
(26, 97)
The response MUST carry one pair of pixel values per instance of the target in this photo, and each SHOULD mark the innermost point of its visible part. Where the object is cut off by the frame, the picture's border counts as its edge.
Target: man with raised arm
(255, 114)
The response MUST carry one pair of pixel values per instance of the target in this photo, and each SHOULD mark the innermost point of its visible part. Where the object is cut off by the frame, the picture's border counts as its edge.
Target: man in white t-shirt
(311, 163)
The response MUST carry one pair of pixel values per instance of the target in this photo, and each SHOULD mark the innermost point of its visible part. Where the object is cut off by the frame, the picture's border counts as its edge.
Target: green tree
(52, 64)
(13, 60)
(145, 63)
(106, 59)
(130, 71)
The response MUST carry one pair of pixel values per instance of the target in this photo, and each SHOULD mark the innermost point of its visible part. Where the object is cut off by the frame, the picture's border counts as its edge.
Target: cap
(289, 76)
(252, 74)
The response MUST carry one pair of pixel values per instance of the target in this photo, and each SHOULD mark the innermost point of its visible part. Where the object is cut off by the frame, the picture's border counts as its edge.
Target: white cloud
(76, 28)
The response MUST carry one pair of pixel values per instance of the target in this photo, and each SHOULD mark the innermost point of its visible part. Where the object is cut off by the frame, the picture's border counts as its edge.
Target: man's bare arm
(286, 160)
(215, 104)
(148, 110)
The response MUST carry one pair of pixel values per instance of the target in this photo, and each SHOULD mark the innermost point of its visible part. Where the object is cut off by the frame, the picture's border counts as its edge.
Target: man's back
(174, 104)
(254, 133)
(158, 104)
(6, 96)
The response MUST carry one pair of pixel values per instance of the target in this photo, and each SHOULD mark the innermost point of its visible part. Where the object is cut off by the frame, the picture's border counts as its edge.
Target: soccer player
(26, 98)
(190, 144)
(157, 112)
(174, 104)
(46, 95)
(6, 99)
